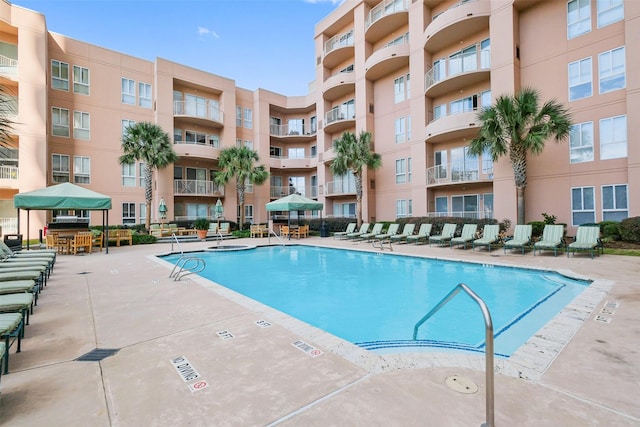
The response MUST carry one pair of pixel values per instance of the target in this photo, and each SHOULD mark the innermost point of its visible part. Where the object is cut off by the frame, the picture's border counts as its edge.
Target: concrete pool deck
(252, 375)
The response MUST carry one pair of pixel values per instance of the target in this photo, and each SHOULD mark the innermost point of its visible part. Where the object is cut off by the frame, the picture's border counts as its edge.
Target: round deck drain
(461, 384)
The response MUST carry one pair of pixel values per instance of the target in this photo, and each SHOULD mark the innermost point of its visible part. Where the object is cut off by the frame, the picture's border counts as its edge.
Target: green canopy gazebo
(63, 196)
(294, 202)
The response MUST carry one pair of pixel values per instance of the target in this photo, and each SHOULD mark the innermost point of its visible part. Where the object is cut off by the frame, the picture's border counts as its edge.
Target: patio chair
(351, 227)
(490, 235)
(587, 239)
(82, 241)
(377, 229)
(423, 234)
(448, 230)
(521, 238)
(391, 231)
(284, 231)
(468, 235)
(11, 331)
(363, 229)
(97, 241)
(552, 239)
(407, 231)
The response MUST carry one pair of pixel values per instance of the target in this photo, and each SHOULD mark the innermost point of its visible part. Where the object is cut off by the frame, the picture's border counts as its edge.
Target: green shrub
(610, 230)
(630, 229)
(143, 239)
(241, 233)
(537, 227)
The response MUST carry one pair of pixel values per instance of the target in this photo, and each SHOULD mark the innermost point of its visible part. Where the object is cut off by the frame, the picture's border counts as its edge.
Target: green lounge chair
(377, 229)
(11, 330)
(490, 235)
(363, 229)
(391, 231)
(351, 227)
(406, 232)
(448, 230)
(468, 235)
(587, 239)
(521, 238)
(423, 234)
(552, 239)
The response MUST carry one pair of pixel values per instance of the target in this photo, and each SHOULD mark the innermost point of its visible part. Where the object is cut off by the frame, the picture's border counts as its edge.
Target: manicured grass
(628, 252)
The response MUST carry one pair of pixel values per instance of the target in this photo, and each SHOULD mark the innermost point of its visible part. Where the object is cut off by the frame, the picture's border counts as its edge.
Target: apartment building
(414, 73)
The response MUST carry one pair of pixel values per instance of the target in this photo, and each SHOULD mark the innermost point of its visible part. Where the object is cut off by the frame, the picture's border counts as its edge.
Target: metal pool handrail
(488, 342)
(270, 232)
(174, 237)
(187, 265)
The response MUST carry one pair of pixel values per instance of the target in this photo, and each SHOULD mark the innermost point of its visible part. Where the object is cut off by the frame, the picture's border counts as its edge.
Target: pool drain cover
(461, 384)
(97, 354)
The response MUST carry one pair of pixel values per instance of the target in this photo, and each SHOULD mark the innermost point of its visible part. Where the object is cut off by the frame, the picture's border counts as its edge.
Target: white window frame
(581, 23)
(581, 210)
(59, 75)
(145, 95)
(408, 169)
(615, 209)
(247, 118)
(81, 170)
(143, 213)
(238, 116)
(401, 208)
(613, 144)
(60, 122)
(609, 11)
(126, 124)
(580, 74)
(610, 72)
(128, 217)
(399, 90)
(60, 168)
(80, 80)
(81, 125)
(439, 111)
(128, 174)
(401, 171)
(581, 143)
(400, 130)
(437, 202)
(128, 91)
(141, 180)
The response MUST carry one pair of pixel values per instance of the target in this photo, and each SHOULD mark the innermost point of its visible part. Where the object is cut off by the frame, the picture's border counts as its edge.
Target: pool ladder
(186, 264)
(489, 374)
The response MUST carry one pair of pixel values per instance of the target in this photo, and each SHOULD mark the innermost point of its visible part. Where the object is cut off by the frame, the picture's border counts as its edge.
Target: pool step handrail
(174, 237)
(489, 373)
(270, 232)
(187, 264)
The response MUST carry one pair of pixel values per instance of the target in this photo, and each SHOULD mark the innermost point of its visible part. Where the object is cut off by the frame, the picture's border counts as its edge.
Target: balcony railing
(338, 41)
(8, 67)
(334, 188)
(204, 110)
(293, 130)
(9, 172)
(484, 214)
(455, 172)
(460, 3)
(281, 191)
(194, 187)
(459, 64)
(337, 114)
(385, 8)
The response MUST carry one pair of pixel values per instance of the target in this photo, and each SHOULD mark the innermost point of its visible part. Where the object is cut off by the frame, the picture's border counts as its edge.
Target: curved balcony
(276, 191)
(338, 49)
(196, 150)
(453, 126)
(386, 60)
(385, 18)
(453, 73)
(457, 23)
(9, 177)
(195, 187)
(8, 68)
(336, 122)
(339, 85)
(297, 133)
(292, 162)
(192, 112)
(455, 173)
(340, 188)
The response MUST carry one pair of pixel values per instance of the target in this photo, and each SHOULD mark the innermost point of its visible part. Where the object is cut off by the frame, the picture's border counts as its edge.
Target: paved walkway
(125, 300)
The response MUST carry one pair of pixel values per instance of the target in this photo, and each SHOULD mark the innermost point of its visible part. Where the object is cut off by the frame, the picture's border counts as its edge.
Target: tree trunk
(520, 204)
(148, 194)
(358, 183)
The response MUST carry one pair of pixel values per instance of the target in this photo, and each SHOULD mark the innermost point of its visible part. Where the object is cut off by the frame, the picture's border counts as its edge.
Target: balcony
(198, 113)
(338, 49)
(8, 67)
(277, 192)
(459, 22)
(337, 120)
(9, 177)
(459, 125)
(485, 214)
(388, 59)
(196, 149)
(293, 132)
(385, 18)
(339, 85)
(283, 162)
(340, 188)
(194, 187)
(453, 73)
(459, 173)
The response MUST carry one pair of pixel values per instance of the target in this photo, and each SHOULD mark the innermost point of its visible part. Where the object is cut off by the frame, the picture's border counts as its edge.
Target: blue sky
(273, 50)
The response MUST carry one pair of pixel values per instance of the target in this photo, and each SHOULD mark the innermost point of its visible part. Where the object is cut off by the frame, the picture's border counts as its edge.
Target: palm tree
(7, 110)
(516, 126)
(147, 142)
(354, 154)
(238, 163)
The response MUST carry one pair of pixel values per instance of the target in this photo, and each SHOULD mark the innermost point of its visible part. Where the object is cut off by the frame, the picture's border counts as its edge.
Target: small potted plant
(202, 226)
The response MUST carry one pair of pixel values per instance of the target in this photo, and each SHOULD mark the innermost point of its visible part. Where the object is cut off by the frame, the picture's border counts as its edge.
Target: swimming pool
(374, 300)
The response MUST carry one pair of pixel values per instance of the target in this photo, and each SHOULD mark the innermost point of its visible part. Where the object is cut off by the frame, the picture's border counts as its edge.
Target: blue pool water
(374, 300)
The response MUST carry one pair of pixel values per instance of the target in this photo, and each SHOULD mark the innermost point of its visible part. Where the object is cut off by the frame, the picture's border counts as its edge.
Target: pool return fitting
(489, 374)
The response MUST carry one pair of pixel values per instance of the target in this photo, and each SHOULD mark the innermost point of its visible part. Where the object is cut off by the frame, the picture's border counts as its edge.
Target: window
(248, 213)
(614, 202)
(298, 185)
(582, 206)
(399, 89)
(143, 213)
(485, 98)
(408, 128)
(214, 141)
(295, 153)
(129, 175)
(400, 130)
(344, 210)
(401, 171)
(238, 116)
(177, 136)
(295, 126)
(60, 121)
(580, 79)
(463, 61)
(612, 70)
(401, 208)
(60, 168)
(81, 80)
(126, 124)
(314, 124)
(609, 11)
(613, 137)
(465, 206)
(488, 205)
(464, 105)
(195, 106)
(248, 144)
(128, 213)
(442, 206)
(408, 169)
(145, 96)
(248, 118)
(142, 181)
(581, 142)
(193, 137)
(578, 18)
(81, 170)
(275, 152)
(439, 70)
(128, 91)
(439, 111)
(440, 162)
(485, 54)
(81, 125)
(59, 75)
(314, 151)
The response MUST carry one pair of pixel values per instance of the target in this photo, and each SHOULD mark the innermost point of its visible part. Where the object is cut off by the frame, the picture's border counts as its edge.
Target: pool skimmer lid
(461, 384)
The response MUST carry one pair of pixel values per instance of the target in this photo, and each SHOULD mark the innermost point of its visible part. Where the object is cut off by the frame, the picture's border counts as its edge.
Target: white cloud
(205, 32)
(333, 2)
